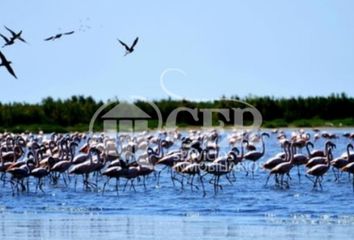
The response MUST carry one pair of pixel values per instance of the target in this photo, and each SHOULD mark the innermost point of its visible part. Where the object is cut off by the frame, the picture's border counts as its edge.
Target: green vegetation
(74, 114)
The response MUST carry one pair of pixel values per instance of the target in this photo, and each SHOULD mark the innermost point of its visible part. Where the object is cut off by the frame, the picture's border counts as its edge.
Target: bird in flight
(8, 42)
(5, 63)
(128, 49)
(14, 36)
(59, 35)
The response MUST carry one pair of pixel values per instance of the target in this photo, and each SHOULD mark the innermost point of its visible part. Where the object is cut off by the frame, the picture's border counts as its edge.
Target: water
(247, 209)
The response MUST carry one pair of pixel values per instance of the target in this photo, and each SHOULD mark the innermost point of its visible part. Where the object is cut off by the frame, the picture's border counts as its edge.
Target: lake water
(246, 209)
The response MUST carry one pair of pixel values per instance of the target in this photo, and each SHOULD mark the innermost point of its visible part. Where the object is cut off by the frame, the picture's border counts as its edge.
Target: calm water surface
(246, 209)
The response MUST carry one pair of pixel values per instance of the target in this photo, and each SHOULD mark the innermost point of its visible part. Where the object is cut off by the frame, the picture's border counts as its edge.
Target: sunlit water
(245, 209)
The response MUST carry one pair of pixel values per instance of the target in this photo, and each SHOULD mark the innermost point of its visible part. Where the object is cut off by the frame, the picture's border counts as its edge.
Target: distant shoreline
(75, 113)
(266, 125)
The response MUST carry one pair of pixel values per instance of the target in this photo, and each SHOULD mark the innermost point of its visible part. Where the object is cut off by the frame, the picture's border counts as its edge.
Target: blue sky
(278, 48)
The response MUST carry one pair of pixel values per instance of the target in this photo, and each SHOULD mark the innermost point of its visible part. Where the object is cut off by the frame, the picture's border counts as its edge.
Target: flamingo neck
(291, 154)
(1, 159)
(263, 145)
(242, 151)
(348, 151)
(308, 149)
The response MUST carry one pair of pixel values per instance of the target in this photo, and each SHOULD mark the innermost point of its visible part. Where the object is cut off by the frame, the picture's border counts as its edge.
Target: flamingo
(256, 155)
(274, 161)
(218, 169)
(283, 168)
(320, 160)
(144, 170)
(349, 168)
(112, 172)
(192, 170)
(130, 174)
(39, 172)
(18, 174)
(320, 169)
(300, 159)
(316, 152)
(190, 165)
(340, 162)
(63, 166)
(84, 169)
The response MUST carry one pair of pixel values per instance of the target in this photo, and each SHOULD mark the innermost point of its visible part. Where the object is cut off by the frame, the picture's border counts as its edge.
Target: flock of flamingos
(191, 158)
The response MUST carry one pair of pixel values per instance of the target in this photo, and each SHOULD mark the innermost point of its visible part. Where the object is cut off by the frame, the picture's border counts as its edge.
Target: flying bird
(128, 49)
(5, 63)
(8, 42)
(59, 35)
(15, 35)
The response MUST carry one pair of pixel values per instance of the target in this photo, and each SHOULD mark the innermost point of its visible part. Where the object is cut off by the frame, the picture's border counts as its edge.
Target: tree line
(77, 111)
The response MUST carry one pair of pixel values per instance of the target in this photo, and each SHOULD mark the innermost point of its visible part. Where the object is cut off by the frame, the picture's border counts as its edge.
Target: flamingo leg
(214, 183)
(75, 184)
(84, 182)
(233, 175)
(309, 178)
(276, 177)
(12, 187)
(132, 185)
(266, 183)
(315, 183)
(202, 183)
(227, 177)
(171, 174)
(125, 185)
(97, 175)
(319, 182)
(117, 186)
(104, 185)
(244, 168)
(287, 181)
(3, 178)
(41, 185)
(27, 183)
(281, 180)
(220, 186)
(144, 177)
(192, 178)
(66, 184)
(37, 185)
(67, 177)
(335, 174)
(158, 175)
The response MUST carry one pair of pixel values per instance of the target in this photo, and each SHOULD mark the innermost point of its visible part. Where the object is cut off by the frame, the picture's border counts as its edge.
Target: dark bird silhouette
(15, 35)
(12, 39)
(8, 42)
(5, 63)
(128, 49)
(59, 35)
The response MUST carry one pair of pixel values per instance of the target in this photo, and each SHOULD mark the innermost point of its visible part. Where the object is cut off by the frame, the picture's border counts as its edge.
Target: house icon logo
(125, 117)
